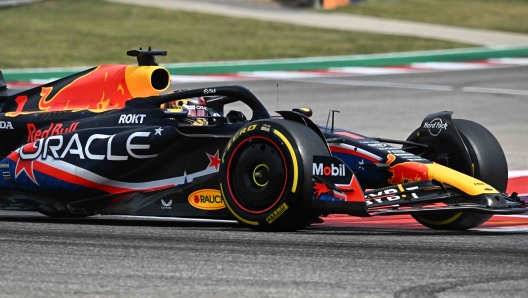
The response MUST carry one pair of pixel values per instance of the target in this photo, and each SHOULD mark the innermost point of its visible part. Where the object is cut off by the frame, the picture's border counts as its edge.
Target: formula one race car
(107, 141)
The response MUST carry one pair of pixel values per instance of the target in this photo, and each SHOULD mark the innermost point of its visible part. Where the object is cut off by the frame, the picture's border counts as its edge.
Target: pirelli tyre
(265, 174)
(488, 165)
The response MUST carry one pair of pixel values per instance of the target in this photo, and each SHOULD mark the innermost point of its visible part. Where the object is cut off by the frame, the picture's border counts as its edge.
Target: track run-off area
(393, 256)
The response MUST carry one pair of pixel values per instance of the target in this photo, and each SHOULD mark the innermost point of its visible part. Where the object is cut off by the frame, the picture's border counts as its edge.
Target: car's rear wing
(5, 92)
(3, 84)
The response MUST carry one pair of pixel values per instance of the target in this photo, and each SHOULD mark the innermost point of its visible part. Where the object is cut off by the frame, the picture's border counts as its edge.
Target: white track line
(372, 70)
(202, 79)
(511, 229)
(513, 61)
(495, 91)
(518, 173)
(450, 66)
(524, 215)
(283, 74)
(379, 84)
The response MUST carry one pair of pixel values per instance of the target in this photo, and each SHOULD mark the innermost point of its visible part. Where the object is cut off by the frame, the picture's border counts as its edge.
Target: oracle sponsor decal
(60, 147)
(207, 199)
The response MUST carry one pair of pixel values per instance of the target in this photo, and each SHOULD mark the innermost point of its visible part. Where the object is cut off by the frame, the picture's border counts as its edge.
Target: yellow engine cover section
(143, 81)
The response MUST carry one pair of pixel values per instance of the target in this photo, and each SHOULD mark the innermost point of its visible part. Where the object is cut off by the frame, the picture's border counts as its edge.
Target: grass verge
(503, 15)
(92, 32)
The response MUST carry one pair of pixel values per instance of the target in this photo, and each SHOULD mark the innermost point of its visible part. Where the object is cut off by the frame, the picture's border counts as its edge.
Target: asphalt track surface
(112, 256)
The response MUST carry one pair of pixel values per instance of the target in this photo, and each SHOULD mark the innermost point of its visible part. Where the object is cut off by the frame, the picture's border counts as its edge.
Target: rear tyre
(266, 172)
(488, 164)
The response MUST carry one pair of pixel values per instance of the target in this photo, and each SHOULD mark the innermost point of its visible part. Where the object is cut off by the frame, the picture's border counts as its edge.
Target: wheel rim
(261, 175)
(257, 175)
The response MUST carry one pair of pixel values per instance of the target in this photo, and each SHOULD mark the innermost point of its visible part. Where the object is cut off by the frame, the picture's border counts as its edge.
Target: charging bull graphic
(112, 91)
(116, 84)
(407, 171)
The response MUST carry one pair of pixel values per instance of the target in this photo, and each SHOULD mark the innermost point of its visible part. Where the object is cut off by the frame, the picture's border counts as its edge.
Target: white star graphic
(361, 163)
(158, 131)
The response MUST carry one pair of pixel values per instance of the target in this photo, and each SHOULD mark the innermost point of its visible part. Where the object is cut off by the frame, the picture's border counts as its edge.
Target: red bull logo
(407, 171)
(35, 134)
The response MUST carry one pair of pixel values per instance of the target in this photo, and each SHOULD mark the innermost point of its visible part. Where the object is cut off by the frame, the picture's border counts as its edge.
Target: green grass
(503, 15)
(91, 32)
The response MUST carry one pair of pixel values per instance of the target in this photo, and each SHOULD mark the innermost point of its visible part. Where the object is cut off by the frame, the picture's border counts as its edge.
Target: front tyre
(488, 165)
(265, 174)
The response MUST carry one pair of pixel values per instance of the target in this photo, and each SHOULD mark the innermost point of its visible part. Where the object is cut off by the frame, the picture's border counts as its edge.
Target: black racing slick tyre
(488, 165)
(265, 174)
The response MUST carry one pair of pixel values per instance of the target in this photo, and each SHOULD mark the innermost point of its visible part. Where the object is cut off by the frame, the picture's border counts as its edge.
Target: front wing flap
(336, 190)
(429, 197)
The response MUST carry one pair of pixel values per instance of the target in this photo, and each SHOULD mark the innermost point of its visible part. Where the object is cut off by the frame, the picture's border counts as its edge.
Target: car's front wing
(336, 190)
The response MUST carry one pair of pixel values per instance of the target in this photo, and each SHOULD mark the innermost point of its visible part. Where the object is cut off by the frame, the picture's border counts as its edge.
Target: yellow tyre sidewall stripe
(249, 222)
(441, 222)
(294, 159)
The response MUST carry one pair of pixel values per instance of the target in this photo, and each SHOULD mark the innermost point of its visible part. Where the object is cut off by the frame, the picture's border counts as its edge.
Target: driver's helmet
(196, 106)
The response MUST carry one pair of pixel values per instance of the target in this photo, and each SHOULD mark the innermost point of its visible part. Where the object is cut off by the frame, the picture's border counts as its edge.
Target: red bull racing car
(111, 140)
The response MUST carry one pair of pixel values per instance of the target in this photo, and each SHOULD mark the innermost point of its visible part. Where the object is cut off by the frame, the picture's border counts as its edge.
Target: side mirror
(235, 116)
(304, 111)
